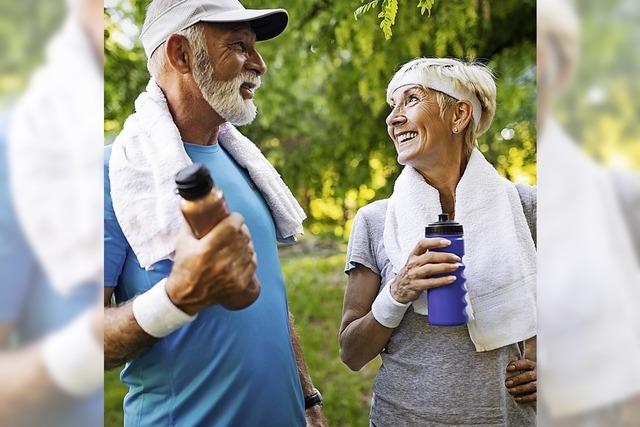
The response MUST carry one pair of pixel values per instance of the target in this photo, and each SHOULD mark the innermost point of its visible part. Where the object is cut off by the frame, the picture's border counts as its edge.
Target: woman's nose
(395, 119)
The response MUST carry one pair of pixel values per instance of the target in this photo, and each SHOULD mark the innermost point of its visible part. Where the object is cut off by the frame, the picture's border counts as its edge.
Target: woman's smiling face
(415, 125)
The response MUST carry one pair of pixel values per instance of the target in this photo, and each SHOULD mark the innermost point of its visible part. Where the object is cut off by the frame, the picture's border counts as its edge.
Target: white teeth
(405, 136)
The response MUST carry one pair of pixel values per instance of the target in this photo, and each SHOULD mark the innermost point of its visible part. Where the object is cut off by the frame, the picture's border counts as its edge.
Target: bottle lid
(443, 226)
(194, 181)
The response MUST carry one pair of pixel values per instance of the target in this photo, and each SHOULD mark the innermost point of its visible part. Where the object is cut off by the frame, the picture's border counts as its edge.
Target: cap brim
(267, 23)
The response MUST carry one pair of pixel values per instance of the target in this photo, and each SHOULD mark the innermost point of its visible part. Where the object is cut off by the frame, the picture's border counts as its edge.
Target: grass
(315, 288)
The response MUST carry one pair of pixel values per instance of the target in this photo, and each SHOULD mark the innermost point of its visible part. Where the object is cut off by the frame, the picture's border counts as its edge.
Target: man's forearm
(305, 379)
(124, 339)
(314, 415)
(28, 392)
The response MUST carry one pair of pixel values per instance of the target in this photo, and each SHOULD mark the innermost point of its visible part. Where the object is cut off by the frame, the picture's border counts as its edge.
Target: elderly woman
(476, 374)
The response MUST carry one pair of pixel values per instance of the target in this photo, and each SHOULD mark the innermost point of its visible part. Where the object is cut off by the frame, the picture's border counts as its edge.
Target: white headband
(426, 79)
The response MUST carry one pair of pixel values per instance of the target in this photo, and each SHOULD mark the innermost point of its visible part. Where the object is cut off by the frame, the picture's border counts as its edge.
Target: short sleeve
(17, 262)
(529, 199)
(115, 244)
(627, 187)
(360, 249)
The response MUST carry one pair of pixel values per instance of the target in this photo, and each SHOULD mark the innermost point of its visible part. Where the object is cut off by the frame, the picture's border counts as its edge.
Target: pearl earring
(455, 130)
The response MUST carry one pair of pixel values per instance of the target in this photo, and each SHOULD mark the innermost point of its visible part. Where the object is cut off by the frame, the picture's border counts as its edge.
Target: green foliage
(601, 107)
(25, 28)
(315, 287)
(322, 106)
(365, 8)
(389, 12)
(114, 392)
(425, 5)
(125, 68)
(388, 15)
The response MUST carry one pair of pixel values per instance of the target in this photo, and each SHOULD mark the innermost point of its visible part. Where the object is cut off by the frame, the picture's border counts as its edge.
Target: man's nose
(256, 64)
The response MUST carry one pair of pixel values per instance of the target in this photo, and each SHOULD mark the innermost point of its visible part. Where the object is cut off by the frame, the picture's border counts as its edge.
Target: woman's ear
(178, 53)
(461, 117)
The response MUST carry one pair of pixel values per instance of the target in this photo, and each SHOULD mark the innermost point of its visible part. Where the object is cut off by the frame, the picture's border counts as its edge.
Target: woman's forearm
(362, 340)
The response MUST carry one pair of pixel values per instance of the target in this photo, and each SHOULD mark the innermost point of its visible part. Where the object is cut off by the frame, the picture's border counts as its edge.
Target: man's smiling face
(227, 69)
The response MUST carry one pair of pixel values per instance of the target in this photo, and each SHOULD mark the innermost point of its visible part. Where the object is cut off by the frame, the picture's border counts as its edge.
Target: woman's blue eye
(413, 98)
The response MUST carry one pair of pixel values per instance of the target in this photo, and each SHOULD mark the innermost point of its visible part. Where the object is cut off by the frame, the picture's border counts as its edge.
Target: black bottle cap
(194, 181)
(443, 226)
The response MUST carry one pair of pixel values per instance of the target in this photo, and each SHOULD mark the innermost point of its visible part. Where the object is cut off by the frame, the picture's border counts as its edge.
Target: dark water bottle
(203, 207)
(446, 304)
(203, 204)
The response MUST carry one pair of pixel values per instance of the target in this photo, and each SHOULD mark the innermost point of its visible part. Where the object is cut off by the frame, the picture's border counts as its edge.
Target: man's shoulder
(4, 163)
(107, 182)
(107, 155)
(4, 133)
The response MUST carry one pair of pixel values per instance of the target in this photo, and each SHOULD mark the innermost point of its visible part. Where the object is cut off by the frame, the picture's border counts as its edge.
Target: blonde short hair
(470, 81)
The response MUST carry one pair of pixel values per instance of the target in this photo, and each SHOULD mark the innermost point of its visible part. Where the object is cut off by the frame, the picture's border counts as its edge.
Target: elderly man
(192, 360)
(50, 263)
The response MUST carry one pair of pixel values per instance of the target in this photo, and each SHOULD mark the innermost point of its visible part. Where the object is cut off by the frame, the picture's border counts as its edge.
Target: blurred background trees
(601, 107)
(322, 104)
(25, 28)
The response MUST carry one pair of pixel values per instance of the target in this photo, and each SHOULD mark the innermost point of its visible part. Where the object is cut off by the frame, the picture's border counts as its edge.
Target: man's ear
(462, 114)
(178, 53)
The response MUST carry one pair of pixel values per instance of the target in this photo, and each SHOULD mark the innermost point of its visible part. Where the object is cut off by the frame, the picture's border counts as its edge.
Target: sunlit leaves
(425, 5)
(388, 15)
(388, 12)
(322, 109)
(365, 8)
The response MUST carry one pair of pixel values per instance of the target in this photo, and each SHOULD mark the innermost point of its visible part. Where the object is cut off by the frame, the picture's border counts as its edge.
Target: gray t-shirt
(432, 376)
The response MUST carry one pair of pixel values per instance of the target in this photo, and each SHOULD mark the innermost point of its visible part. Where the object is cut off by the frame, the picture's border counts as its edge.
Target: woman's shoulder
(365, 236)
(374, 212)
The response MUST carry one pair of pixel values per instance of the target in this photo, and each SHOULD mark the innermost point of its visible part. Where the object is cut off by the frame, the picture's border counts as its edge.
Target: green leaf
(365, 8)
(388, 15)
(425, 5)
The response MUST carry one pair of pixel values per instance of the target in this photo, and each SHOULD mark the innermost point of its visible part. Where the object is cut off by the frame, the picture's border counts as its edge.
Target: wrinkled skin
(217, 269)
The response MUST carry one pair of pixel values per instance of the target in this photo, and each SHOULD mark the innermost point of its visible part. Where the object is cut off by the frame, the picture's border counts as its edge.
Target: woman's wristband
(73, 357)
(386, 310)
(156, 314)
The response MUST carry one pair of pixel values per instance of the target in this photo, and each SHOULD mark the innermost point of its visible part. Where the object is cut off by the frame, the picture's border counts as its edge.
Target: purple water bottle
(446, 304)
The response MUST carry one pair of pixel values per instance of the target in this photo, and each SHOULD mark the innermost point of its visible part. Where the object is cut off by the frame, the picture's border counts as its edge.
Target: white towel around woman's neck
(145, 158)
(500, 255)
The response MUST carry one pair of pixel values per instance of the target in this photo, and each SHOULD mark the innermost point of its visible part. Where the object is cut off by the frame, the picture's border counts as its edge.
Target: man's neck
(197, 122)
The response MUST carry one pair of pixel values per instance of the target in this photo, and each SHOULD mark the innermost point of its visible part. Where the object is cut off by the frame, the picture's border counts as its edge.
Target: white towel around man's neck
(55, 152)
(145, 158)
(500, 257)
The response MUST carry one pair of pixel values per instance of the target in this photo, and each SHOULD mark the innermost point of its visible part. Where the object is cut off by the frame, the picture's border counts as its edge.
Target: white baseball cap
(267, 23)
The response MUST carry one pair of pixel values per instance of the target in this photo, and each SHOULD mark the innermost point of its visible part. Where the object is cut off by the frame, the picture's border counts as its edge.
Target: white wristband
(74, 358)
(156, 314)
(386, 310)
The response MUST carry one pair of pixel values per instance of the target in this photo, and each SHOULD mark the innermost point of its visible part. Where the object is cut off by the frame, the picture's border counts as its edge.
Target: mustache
(249, 77)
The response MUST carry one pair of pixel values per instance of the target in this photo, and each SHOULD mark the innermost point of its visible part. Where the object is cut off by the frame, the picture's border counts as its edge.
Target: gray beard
(224, 96)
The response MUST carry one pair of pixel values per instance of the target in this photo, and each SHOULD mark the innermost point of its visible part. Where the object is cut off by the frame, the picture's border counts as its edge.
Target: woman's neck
(444, 175)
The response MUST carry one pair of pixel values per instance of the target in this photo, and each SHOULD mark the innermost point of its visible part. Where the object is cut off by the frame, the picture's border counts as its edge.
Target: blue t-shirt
(226, 368)
(28, 302)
